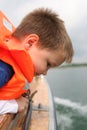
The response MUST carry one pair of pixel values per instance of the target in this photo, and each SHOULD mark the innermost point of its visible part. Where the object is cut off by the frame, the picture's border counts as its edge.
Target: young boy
(39, 43)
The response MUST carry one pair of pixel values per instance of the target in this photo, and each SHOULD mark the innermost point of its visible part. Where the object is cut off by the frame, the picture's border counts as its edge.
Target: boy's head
(48, 31)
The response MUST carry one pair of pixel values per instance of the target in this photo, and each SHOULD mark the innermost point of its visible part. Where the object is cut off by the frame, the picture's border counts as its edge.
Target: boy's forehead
(58, 53)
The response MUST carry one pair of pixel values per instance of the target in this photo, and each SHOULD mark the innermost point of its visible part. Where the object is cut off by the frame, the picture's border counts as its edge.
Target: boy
(39, 43)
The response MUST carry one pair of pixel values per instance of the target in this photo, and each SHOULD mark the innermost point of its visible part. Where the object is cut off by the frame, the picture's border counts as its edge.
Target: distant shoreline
(73, 65)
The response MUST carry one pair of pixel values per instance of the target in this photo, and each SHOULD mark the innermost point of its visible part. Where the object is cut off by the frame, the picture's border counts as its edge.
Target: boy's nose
(44, 73)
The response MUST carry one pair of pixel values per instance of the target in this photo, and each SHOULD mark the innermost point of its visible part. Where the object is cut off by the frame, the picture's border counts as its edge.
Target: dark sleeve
(6, 72)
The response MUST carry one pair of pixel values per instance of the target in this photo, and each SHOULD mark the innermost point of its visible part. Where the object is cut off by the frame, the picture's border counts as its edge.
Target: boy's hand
(22, 103)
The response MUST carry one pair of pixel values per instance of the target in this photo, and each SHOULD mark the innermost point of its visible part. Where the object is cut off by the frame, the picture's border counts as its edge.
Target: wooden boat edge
(52, 111)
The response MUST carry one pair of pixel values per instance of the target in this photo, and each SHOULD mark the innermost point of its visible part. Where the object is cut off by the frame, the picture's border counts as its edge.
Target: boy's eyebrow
(56, 63)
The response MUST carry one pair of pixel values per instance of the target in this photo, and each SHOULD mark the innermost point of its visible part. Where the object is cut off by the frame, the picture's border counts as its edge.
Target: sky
(72, 12)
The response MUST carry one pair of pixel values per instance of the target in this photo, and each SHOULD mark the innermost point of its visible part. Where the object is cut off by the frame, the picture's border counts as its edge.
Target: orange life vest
(19, 60)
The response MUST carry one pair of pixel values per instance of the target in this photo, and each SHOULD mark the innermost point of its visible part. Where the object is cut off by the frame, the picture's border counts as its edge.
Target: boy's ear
(30, 40)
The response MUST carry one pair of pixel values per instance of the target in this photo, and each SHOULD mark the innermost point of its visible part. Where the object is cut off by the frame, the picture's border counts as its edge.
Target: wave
(74, 105)
(70, 115)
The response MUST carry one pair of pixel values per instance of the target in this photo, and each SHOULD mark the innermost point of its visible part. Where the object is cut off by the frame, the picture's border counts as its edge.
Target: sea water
(69, 88)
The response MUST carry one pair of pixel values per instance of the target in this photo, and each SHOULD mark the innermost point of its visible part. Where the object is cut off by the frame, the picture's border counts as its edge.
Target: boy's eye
(48, 65)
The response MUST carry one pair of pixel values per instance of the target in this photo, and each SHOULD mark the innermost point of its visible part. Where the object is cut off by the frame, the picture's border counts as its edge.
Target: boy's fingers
(22, 103)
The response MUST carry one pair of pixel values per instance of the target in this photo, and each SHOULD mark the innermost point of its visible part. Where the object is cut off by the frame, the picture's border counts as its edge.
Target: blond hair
(50, 29)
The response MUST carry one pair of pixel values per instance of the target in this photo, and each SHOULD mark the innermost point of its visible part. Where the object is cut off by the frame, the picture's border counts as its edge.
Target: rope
(28, 117)
(29, 111)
